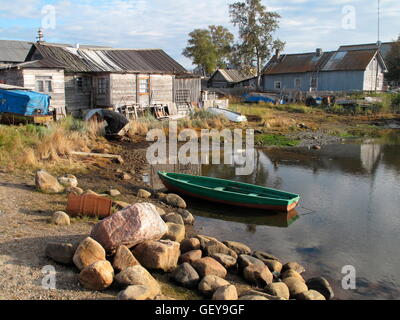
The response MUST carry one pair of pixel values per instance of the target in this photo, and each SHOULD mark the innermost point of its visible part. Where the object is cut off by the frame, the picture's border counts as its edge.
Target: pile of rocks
(123, 248)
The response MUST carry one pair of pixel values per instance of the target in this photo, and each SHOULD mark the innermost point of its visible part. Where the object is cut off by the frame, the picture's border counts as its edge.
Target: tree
(256, 28)
(209, 48)
(393, 62)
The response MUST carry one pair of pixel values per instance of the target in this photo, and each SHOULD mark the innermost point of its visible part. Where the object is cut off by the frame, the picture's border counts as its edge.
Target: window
(144, 86)
(44, 84)
(82, 83)
(297, 83)
(277, 85)
(101, 85)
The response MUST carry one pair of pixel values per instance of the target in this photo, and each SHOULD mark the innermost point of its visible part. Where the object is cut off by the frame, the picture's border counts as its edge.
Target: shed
(227, 78)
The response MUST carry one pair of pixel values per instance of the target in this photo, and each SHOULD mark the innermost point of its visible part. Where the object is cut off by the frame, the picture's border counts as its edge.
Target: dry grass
(31, 147)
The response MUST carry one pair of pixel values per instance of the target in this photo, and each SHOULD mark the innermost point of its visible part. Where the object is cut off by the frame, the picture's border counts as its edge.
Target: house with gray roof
(79, 78)
(227, 78)
(342, 70)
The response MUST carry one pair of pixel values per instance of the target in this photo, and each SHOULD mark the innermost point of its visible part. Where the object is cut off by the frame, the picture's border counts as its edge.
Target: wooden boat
(230, 192)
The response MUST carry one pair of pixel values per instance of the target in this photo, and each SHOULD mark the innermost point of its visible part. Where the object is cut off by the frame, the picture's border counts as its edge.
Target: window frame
(148, 86)
(280, 85)
(102, 86)
(295, 83)
(316, 83)
(44, 84)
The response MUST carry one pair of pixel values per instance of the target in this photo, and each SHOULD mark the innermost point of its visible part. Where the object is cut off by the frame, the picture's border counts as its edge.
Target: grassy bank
(31, 147)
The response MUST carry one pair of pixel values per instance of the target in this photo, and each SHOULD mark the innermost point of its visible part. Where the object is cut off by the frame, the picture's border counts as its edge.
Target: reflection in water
(353, 191)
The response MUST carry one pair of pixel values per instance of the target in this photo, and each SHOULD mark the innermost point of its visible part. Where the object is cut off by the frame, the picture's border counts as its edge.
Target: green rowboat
(230, 192)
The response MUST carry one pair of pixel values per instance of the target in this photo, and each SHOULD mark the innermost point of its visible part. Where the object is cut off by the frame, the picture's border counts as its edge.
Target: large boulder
(238, 247)
(60, 218)
(124, 259)
(60, 252)
(209, 266)
(310, 295)
(209, 284)
(291, 273)
(175, 201)
(228, 292)
(88, 252)
(295, 285)
(278, 289)
(160, 255)
(175, 232)
(321, 285)
(190, 244)
(258, 275)
(130, 226)
(46, 183)
(186, 275)
(97, 276)
(68, 181)
(137, 292)
(137, 275)
(190, 256)
(213, 246)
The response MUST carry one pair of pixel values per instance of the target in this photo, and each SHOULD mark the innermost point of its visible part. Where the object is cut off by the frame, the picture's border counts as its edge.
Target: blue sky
(305, 24)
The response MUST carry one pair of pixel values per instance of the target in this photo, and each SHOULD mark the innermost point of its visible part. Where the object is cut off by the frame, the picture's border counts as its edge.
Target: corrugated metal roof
(16, 51)
(328, 61)
(233, 75)
(384, 48)
(109, 60)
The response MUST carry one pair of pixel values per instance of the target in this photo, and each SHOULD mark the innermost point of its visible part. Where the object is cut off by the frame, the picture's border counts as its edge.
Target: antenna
(379, 23)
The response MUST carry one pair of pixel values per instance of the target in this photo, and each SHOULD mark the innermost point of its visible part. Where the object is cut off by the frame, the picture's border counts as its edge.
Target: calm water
(349, 214)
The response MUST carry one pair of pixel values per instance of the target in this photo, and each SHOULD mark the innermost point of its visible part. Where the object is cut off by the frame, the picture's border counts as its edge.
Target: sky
(305, 24)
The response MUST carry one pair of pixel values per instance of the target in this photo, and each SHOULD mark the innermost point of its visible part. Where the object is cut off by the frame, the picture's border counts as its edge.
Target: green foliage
(275, 140)
(393, 62)
(209, 48)
(256, 28)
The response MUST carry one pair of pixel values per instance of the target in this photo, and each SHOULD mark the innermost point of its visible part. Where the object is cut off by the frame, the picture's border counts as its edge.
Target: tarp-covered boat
(230, 192)
(26, 103)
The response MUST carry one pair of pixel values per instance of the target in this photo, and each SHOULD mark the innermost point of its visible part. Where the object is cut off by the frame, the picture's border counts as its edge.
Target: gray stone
(209, 266)
(190, 256)
(224, 259)
(137, 292)
(264, 255)
(175, 201)
(293, 266)
(246, 260)
(60, 218)
(209, 284)
(68, 181)
(214, 246)
(46, 183)
(97, 276)
(143, 194)
(173, 217)
(295, 285)
(190, 244)
(321, 285)
(124, 259)
(228, 292)
(257, 275)
(238, 247)
(60, 252)
(186, 275)
(273, 265)
(278, 289)
(137, 275)
(186, 216)
(310, 295)
(175, 232)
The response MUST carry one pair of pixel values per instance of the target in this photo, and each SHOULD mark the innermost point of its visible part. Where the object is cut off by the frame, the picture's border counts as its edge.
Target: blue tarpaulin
(25, 103)
(255, 98)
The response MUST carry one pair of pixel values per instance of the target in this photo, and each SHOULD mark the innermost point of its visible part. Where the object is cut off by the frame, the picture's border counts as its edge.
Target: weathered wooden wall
(58, 93)
(77, 100)
(12, 77)
(123, 89)
(102, 99)
(218, 81)
(374, 76)
(161, 88)
(191, 84)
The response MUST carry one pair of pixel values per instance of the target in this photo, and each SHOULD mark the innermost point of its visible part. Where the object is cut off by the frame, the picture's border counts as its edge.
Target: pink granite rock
(130, 226)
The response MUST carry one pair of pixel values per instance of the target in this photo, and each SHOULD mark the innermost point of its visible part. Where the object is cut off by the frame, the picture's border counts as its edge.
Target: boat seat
(219, 188)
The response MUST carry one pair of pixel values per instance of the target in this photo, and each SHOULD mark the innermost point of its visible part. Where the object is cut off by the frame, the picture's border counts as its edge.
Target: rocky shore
(127, 251)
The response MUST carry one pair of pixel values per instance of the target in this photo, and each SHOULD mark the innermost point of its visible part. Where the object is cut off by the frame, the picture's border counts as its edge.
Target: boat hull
(264, 206)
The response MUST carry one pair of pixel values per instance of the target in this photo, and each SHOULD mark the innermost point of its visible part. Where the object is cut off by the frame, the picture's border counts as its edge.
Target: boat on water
(230, 115)
(230, 192)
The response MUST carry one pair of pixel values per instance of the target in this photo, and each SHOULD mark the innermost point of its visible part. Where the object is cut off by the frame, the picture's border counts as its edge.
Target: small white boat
(230, 115)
